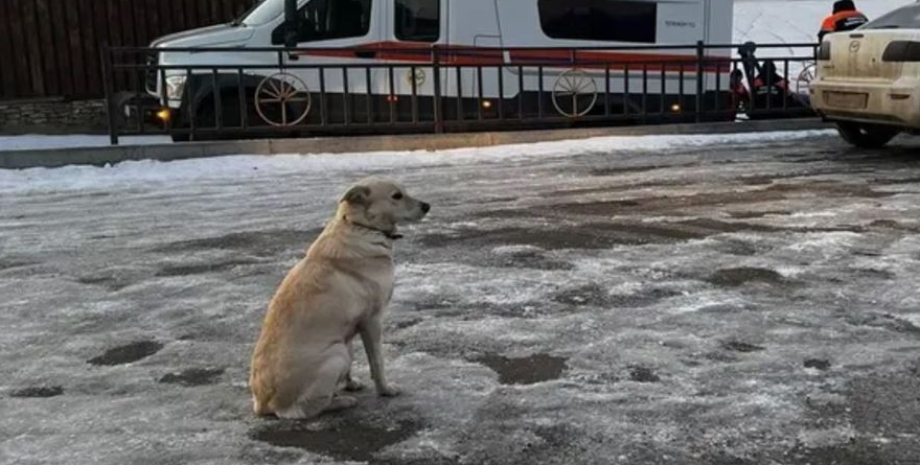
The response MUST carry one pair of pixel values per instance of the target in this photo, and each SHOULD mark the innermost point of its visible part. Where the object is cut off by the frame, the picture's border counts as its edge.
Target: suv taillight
(824, 51)
(902, 51)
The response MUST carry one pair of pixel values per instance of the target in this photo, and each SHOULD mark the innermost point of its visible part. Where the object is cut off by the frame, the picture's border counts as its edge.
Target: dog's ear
(357, 195)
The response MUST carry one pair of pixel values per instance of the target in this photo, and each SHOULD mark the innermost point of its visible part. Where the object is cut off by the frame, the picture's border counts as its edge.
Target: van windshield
(264, 12)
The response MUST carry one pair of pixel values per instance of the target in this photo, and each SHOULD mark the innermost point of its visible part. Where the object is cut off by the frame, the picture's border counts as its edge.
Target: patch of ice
(816, 438)
(261, 168)
(515, 249)
(912, 318)
(826, 242)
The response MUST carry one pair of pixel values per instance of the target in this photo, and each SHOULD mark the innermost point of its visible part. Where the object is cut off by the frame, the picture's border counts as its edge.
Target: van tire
(867, 136)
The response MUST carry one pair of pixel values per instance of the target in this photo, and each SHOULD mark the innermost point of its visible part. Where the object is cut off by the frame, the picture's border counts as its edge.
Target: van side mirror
(290, 33)
(290, 26)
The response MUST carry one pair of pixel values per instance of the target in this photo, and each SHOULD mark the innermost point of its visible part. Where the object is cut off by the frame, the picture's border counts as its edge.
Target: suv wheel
(867, 136)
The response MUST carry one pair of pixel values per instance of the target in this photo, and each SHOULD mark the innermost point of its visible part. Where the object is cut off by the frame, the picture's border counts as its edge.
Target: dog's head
(380, 204)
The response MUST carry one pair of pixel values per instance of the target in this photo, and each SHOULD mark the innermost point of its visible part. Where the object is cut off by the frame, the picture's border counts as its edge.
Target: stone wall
(52, 115)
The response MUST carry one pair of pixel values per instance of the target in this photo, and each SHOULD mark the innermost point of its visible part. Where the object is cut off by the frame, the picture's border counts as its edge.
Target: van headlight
(175, 85)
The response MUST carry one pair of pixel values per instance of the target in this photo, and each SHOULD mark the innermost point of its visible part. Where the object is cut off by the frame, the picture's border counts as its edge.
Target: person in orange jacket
(844, 18)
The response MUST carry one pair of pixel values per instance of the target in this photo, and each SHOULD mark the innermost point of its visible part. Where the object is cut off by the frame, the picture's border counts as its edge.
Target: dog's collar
(391, 235)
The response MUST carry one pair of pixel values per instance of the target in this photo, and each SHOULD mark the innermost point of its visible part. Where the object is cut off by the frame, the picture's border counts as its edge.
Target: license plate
(849, 100)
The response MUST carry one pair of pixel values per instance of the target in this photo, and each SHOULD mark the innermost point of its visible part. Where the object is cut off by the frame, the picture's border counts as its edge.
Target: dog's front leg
(371, 335)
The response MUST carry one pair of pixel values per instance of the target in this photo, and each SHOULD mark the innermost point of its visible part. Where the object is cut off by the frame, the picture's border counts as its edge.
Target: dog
(339, 290)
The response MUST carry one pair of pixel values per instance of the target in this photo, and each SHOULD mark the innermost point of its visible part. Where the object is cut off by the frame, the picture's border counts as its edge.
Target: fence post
(438, 117)
(107, 85)
(700, 55)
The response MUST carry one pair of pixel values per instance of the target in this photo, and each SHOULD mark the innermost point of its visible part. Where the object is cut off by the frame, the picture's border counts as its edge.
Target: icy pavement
(688, 300)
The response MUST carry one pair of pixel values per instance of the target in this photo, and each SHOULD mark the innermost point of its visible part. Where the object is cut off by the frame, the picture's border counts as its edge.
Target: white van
(365, 59)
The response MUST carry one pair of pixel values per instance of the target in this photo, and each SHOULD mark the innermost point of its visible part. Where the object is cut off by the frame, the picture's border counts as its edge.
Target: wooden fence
(51, 48)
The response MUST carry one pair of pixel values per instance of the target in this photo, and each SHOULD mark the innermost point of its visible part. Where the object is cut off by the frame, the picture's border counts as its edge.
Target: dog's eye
(397, 196)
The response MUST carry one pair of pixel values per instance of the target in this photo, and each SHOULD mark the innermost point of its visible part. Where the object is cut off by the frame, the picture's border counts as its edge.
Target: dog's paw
(341, 403)
(388, 391)
(353, 386)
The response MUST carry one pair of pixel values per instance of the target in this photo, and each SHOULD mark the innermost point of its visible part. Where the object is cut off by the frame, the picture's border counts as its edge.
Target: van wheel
(867, 136)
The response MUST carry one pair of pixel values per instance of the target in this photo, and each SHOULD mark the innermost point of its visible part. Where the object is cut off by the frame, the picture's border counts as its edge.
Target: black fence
(220, 93)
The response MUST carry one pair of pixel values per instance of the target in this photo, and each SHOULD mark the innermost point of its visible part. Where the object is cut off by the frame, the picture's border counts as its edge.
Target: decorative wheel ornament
(574, 93)
(282, 99)
(803, 81)
(419, 76)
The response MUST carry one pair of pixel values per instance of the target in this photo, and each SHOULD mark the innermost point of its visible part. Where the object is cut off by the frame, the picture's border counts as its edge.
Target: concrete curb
(51, 158)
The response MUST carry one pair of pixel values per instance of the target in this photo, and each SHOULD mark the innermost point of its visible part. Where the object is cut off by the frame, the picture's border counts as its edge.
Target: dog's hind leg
(319, 395)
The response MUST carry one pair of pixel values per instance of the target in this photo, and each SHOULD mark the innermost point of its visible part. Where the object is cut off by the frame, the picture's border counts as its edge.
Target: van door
(333, 27)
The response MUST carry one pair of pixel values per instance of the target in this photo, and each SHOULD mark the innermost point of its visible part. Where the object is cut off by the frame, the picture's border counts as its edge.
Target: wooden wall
(51, 48)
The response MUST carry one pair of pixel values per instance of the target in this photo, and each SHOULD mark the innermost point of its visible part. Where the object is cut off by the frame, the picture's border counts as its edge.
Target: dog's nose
(426, 207)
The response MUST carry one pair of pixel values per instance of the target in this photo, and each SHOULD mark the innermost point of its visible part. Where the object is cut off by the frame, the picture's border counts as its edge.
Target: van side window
(418, 20)
(601, 20)
(334, 19)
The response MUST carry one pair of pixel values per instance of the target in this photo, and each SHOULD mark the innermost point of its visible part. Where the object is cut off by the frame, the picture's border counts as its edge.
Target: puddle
(586, 295)
(202, 268)
(643, 374)
(193, 377)
(748, 215)
(536, 368)
(127, 353)
(38, 392)
(817, 363)
(112, 283)
(739, 346)
(357, 442)
(577, 237)
(734, 277)
(258, 243)
(885, 321)
(594, 295)
(9, 264)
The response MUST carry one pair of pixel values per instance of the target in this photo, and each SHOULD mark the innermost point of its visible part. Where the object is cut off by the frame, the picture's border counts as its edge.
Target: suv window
(907, 17)
(418, 20)
(602, 20)
(334, 19)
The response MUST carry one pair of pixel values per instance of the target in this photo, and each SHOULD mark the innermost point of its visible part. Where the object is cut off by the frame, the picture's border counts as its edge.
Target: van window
(334, 19)
(418, 20)
(907, 17)
(602, 20)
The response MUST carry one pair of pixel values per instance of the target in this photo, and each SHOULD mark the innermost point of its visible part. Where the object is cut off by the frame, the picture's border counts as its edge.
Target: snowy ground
(688, 300)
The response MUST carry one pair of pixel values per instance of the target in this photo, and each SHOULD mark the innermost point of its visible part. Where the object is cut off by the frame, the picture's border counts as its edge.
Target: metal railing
(271, 92)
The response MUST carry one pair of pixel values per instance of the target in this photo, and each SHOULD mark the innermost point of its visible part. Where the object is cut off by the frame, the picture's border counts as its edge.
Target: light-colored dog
(339, 290)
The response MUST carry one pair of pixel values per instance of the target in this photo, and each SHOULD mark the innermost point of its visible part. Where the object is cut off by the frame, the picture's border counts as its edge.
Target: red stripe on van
(486, 56)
